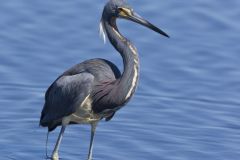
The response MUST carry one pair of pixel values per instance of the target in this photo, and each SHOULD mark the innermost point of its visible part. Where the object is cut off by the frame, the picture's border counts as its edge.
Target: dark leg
(46, 147)
(93, 129)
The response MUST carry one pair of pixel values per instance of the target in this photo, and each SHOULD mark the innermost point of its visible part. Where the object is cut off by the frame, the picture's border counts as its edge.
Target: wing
(65, 95)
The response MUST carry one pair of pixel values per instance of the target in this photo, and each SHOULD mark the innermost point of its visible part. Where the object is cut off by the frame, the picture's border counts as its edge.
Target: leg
(55, 151)
(93, 129)
(46, 147)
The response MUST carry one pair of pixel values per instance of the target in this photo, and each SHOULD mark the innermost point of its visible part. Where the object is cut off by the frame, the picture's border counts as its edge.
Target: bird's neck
(128, 81)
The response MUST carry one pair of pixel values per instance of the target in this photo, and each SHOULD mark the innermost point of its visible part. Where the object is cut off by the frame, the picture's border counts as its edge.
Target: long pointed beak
(138, 19)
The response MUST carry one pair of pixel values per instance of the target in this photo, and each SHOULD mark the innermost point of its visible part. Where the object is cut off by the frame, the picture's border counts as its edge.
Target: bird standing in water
(95, 89)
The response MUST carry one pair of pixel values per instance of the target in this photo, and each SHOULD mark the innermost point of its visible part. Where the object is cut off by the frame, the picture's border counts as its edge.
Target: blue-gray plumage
(95, 89)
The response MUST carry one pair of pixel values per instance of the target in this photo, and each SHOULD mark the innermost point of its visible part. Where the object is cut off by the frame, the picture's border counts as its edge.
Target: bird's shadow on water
(60, 158)
(48, 157)
(10, 157)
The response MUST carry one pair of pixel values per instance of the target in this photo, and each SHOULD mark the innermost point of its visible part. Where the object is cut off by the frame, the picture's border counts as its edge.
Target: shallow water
(187, 103)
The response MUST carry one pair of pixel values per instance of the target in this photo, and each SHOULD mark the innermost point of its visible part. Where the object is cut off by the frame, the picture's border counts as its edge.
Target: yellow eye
(124, 11)
(120, 9)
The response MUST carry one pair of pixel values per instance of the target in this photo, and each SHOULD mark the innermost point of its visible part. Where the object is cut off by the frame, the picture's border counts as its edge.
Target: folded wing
(64, 96)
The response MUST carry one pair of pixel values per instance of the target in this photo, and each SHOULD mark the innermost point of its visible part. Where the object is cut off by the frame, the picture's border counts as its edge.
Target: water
(187, 103)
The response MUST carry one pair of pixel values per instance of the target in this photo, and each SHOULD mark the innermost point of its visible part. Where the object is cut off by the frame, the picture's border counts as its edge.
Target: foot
(55, 156)
(90, 157)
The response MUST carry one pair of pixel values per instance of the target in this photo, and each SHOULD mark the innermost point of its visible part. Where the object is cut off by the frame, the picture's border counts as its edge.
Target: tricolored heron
(95, 89)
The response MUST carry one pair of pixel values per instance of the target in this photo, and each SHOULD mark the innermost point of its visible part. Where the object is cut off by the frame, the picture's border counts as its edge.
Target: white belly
(84, 113)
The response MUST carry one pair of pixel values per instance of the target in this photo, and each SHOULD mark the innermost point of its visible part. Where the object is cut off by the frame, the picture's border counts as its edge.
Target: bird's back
(101, 69)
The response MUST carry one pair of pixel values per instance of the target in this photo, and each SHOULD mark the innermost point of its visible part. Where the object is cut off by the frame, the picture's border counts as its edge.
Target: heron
(95, 89)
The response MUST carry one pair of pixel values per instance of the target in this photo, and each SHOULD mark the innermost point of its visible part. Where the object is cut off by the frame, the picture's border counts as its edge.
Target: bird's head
(120, 9)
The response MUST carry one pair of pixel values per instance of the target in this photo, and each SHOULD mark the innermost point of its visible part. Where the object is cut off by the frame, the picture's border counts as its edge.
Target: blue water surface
(187, 106)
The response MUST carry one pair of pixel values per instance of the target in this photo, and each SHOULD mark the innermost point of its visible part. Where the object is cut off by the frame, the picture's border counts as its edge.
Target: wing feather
(65, 95)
